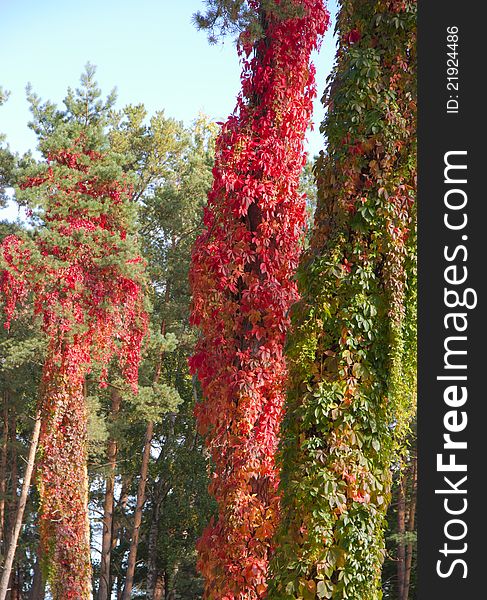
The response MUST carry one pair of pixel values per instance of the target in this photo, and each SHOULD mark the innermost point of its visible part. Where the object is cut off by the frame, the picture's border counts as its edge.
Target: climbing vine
(242, 280)
(351, 355)
(83, 275)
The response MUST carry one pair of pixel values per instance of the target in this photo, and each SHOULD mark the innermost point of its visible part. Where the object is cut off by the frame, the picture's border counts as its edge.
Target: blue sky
(148, 49)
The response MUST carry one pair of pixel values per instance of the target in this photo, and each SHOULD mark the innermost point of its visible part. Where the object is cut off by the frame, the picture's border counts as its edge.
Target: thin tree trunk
(9, 559)
(3, 467)
(152, 575)
(129, 578)
(160, 588)
(14, 474)
(108, 507)
(401, 529)
(117, 536)
(410, 527)
(149, 432)
(16, 586)
(172, 584)
(38, 589)
(152, 572)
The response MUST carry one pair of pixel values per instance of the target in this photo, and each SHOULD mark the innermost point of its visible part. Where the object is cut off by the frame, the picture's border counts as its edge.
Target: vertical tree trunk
(9, 559)
(152, 570)
(37, 591)
(159, 592)
(401, 530)
(3, 467)
(63, 482)
(129, 578)
(410, 527)
(15, 591)
(14, 474)
(152, 575)
(118, 534)
(108, 507)
(171, 595)
(149, 432)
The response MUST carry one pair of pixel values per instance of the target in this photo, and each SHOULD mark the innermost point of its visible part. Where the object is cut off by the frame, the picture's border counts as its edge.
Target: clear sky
(148, 49)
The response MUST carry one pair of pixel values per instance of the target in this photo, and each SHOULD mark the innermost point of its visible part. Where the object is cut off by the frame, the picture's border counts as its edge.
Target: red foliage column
(242, 280)
(85, 280)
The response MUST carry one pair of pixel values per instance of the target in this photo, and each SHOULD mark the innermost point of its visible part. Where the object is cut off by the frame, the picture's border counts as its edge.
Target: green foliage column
(352, 353)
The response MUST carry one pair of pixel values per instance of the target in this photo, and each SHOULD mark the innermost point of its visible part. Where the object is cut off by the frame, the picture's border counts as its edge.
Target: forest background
(172, 87)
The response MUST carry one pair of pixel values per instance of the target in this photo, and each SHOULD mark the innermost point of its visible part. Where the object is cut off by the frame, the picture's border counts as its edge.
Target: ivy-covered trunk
(81, 274)
(63, 481)
(352, 350)
(242, 279)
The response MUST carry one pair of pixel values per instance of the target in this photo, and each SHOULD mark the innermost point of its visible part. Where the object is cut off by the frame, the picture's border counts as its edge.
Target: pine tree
(84, 276)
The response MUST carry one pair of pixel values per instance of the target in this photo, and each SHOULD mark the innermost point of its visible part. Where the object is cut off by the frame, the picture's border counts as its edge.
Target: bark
(159, 592)
(38, 589)
(14, 474)
(118, 534)
(3, 467)
(410, 527)
(16, 584)
(63, 482)
(129, 578)
(401, 529)
(161, 490)
(108, 506)
(153, 577)
(9, 559)
(144, 469)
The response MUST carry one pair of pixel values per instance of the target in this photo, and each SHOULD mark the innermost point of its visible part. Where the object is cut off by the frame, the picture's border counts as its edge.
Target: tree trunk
(63, 481)
(129, 578)
(152, 575)
(159, 592)
(9, 559)
(118, 534)
(149, 432)
(410, 527)
(152, 570)
(108, 507)
(172, 584)
(14, 475)
(38, 589)
(401, 529)
(3, 468)
(15, 584)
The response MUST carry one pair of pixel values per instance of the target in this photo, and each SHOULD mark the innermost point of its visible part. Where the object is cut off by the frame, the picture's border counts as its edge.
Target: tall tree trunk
(118, 534)
(15, 584)
(171, 595)
(410, 526)
(149, 432)
(129, 578)
(63, 481)
(160, 493)
(401, 530)
(3, 467)
(14, 473)
(152, 575)
(38, 589)
(9, 559)
(108, 506)
(159, 592)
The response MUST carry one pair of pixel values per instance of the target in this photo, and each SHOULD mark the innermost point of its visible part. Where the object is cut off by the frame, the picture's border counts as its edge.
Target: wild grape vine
(352, 355)
(84, 278)
(242, 280)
